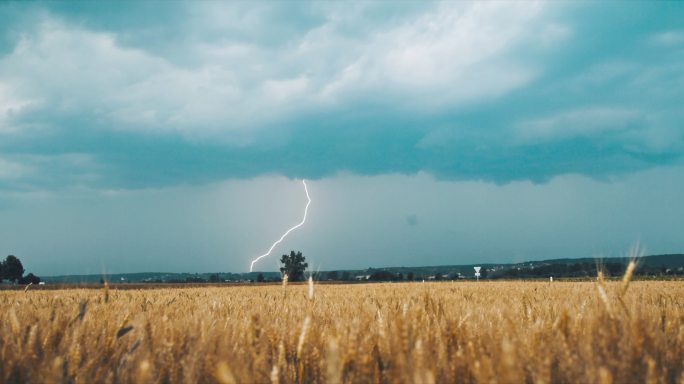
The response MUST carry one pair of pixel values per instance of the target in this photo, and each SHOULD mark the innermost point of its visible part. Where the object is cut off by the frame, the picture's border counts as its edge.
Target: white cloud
(10, 106)
(574, 123)
(668, 38)
(457, 53)
(635, 130)
(442, 47)
(553, 33)
(12, 170)
(286, 89)
(602, 73)
(83, 73)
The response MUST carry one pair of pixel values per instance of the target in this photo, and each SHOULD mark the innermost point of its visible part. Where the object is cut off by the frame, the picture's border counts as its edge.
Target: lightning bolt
(306, 210)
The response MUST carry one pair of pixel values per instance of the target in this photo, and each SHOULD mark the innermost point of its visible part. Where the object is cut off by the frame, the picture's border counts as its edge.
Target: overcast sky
(172, 136)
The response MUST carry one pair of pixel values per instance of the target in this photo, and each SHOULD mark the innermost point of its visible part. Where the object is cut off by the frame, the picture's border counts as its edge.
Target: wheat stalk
(311, 288)
(224, 375)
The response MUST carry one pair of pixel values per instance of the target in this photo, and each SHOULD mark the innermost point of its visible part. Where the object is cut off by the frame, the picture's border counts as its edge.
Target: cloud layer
(191, 93)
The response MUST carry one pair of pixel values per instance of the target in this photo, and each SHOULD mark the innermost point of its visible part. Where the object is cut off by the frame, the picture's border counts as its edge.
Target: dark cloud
(583, 94)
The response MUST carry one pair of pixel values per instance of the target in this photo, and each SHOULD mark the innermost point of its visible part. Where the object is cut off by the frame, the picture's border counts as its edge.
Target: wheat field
(446, 332)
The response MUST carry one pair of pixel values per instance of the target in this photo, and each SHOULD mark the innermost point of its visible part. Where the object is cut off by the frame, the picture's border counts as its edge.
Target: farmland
(472, 332)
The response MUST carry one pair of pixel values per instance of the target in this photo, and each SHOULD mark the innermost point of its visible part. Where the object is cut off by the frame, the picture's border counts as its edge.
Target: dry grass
(509, 332)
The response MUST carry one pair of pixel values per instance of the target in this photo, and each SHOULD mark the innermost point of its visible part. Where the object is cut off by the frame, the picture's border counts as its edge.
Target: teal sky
(169, 136)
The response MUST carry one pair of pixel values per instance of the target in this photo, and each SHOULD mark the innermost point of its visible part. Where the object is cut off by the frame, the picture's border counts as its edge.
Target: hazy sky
(171, 136)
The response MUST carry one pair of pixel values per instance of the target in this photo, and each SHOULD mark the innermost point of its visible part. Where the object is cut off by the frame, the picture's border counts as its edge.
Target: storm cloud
(123, 125)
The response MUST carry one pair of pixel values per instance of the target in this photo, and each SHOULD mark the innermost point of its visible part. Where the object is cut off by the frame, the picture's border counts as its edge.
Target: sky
(172, 136)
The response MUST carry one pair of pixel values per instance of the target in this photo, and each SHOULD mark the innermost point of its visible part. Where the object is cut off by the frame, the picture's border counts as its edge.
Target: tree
(409, 276)
(30, 279)
(294, 266)
(214, 278)
(381, 275)
(12, 269)
(195, 279)
(260, 278)
(332, 275)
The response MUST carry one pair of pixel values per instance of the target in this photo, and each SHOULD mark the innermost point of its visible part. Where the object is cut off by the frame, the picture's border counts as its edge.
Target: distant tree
(380, 275)
(214, 278)
(438, 276)
(409, 276)
(294, 266)
(30, 278)
(12, 269)
(346, 276)
(260, 278)
(333, 275)
(195, 279)
(400, 276)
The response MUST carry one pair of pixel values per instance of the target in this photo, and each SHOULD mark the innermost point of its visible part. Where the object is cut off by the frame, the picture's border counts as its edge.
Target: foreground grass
(509, 332)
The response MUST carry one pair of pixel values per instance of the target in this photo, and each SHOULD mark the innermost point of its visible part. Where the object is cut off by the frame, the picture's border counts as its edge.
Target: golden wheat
(451, 332)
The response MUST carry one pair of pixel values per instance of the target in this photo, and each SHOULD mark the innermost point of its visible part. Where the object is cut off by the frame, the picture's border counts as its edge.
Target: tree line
(12, 270)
